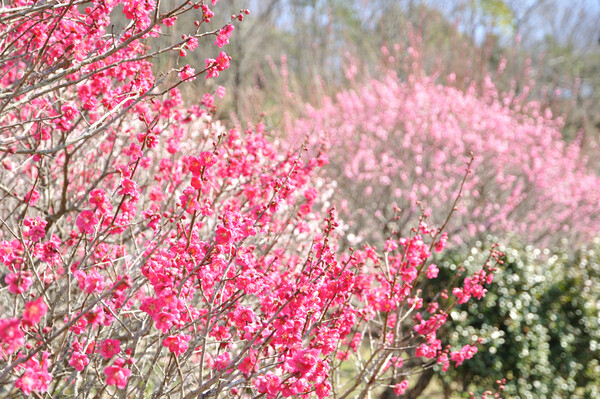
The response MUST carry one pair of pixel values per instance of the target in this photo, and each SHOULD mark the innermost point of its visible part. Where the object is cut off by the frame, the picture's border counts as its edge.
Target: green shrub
(540, 322)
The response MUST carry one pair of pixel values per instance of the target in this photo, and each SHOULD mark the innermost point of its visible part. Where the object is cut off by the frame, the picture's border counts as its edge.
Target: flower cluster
(138, 227)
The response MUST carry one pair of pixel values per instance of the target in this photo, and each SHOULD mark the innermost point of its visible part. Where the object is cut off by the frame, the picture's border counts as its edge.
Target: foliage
(498, 11)
(540, 323)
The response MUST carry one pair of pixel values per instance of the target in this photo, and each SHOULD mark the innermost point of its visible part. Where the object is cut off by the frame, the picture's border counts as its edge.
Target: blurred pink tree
(398, 140)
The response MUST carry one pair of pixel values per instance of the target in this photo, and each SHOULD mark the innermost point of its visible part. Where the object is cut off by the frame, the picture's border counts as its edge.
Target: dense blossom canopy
(147, 247)
(406, 140)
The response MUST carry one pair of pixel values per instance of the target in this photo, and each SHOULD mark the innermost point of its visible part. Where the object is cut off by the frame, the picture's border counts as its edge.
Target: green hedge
(540, 322)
